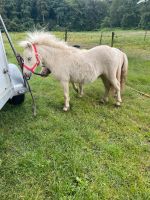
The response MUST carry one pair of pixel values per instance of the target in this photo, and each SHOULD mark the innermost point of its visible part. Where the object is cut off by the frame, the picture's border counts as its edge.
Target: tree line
(74, 15)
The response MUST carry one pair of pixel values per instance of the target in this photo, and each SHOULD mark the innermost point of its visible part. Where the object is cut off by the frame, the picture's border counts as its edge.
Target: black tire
(17, 100)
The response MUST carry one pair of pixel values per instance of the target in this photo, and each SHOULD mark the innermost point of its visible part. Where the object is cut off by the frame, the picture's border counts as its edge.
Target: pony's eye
(29, 59)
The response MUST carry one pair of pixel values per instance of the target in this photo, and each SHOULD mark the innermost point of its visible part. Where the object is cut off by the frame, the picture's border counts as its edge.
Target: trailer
(12, 84)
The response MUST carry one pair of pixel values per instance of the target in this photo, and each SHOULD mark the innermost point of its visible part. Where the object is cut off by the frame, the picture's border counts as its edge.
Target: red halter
(32, 69)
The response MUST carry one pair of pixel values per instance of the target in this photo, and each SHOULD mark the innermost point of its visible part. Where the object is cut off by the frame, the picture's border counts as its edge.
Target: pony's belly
(84, 77)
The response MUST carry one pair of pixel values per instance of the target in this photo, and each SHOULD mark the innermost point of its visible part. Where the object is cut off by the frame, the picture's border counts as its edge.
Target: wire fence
(120, 39)
(133, 42)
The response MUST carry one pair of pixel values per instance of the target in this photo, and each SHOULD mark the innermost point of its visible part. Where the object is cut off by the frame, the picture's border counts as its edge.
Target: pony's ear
(25, 44)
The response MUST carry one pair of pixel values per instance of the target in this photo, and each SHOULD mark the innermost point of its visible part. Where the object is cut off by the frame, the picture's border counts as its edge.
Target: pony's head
(38, 39)
(30, 57)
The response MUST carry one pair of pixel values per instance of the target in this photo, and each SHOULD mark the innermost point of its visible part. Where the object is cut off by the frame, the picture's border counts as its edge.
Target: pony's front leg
(65, 85)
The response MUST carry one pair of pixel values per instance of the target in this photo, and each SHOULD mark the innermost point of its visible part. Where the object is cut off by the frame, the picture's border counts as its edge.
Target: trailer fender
(17, 79)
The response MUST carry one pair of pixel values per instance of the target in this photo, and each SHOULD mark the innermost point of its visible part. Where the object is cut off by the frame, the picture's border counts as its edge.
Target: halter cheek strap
(32, 69)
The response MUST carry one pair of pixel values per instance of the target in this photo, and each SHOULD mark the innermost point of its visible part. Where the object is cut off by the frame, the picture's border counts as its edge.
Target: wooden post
(112, 40)
(100, 40)
(66, 35)
(145, 35)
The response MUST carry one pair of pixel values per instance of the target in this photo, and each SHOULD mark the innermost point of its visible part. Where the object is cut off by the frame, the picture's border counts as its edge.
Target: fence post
(112, 39)
(66, 35)
(145, 35)
(100, 40)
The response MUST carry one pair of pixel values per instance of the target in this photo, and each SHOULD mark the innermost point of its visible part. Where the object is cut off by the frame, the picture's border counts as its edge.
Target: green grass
(94, 151)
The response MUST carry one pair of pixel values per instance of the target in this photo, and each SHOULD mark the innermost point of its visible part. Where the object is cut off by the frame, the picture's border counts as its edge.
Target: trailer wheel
(17, 100)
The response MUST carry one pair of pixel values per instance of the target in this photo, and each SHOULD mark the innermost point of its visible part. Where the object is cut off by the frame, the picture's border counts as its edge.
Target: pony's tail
(124, 71)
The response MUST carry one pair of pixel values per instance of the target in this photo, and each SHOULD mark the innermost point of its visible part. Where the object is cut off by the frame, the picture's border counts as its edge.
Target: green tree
(43, 10)
(145, 15)
(145, 20)
(74, 14)
(117, 11)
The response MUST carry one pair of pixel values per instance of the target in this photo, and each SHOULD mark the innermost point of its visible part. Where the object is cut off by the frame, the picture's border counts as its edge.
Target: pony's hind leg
(107, 89)
(116, 84)
(65, 85)
(113, 90)
(75, 87)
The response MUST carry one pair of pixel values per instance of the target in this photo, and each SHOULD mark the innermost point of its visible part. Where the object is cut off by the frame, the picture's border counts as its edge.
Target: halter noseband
(32, 69)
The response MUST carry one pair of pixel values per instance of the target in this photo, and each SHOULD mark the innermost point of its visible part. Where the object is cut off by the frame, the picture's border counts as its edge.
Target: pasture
(93, 152)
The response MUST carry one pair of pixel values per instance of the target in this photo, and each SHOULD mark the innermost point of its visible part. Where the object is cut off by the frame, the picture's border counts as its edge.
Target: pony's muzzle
(45, 72)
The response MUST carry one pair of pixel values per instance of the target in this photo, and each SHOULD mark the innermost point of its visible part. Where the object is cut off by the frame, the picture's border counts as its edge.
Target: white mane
(44, 38)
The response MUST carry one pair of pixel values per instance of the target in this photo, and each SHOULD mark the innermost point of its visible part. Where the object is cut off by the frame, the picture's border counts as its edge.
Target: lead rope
(20, 62)
(33, 100)
(139, 92)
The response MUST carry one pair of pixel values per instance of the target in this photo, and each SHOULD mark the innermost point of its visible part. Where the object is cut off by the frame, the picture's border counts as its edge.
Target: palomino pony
(69, 64)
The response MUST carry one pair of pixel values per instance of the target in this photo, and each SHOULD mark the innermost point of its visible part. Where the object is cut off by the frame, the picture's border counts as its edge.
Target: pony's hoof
(117, 104)
(65, 109)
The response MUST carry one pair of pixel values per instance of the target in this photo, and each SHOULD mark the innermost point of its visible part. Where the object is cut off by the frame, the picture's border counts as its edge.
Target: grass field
(93, 152)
